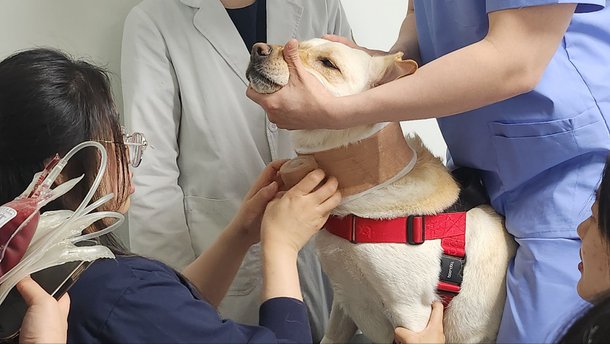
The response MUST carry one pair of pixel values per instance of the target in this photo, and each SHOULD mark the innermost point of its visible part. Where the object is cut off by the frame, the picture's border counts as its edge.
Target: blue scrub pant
(541, 291)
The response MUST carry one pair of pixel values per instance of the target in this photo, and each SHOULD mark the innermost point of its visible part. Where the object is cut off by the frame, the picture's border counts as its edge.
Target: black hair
(49, 103)
(603, 203)
(593, 327)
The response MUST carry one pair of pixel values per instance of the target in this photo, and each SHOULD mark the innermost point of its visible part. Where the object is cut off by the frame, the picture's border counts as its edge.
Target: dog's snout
(261, 50)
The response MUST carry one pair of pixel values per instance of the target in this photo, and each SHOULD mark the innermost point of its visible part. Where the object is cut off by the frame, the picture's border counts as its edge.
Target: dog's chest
(377, 272)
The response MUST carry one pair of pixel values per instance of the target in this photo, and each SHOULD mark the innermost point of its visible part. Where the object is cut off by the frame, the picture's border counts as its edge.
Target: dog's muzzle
(260, 79)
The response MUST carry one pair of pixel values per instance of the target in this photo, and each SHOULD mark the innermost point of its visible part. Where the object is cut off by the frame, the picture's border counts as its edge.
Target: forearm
(281, 278)
(509, 61)
(214, 270)
(452, 84)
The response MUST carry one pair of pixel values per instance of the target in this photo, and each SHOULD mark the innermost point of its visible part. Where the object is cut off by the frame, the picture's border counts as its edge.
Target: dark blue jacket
(135, 300)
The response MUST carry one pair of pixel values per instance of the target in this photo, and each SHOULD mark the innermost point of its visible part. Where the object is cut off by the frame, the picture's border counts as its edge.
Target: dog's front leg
(341, 327)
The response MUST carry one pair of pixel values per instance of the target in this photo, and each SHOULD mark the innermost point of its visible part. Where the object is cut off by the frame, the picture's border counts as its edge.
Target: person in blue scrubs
(48, 104)
(521, 92)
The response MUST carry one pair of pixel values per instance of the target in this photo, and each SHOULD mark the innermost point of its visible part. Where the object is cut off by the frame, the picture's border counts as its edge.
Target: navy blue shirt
(137, 300)
(251, 22)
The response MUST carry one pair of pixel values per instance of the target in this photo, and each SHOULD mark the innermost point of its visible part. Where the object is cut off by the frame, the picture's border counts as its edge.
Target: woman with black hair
(48, 104)
(594, 283)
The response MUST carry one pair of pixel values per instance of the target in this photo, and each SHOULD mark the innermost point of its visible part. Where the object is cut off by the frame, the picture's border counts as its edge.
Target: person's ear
(390, 67)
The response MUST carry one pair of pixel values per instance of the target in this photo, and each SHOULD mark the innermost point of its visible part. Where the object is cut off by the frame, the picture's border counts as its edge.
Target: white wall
(92, 29)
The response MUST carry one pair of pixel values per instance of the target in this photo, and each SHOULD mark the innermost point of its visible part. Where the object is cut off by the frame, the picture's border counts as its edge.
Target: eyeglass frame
(141, 146)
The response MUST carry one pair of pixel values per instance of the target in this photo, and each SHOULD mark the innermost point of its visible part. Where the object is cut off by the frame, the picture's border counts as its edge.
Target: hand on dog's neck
(234, 4)
(368, 163)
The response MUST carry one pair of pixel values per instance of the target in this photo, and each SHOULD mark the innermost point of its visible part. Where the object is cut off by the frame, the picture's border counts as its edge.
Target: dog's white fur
(378, 287)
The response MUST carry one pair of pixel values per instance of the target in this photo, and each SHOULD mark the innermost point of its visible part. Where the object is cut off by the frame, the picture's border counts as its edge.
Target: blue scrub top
(532, 148)
(541, 154)
(138, 300)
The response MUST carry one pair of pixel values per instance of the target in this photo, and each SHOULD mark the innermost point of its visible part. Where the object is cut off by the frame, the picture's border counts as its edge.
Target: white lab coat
(184, 82)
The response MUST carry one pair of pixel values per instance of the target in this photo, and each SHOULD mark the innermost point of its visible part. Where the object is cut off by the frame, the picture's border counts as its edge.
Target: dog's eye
(328, 63)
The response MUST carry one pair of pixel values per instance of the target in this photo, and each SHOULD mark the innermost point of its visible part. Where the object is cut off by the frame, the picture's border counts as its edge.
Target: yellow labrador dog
(380, 286)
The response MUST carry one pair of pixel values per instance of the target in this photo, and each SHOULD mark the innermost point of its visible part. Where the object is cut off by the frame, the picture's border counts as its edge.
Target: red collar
(414, 230)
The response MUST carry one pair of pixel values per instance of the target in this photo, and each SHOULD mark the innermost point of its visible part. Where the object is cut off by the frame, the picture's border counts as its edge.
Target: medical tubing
(82, 207)
(57, 254)
(96, 182)
(120, 219)
(62, 233)
(98, 203)
(98, 178)
(65, 231)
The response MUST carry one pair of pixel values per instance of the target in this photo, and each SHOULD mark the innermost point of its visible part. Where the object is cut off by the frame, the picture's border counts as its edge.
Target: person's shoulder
(114, 276)
(124, 267)
(103, 285)
(159, 9)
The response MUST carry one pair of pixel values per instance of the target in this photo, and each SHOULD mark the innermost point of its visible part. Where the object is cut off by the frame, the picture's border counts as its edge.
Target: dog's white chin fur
(265, 87)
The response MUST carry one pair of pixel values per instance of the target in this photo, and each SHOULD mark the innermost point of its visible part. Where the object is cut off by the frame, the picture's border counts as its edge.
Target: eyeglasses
(136, 144)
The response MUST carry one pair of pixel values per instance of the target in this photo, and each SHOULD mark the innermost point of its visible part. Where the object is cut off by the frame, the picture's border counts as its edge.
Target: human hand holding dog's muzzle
(301, 102)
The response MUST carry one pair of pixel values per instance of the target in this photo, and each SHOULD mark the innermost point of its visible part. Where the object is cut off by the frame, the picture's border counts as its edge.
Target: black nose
(261, 51)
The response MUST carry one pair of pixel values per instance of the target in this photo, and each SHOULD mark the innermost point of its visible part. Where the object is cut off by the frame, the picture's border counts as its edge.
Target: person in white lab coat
(184, 81)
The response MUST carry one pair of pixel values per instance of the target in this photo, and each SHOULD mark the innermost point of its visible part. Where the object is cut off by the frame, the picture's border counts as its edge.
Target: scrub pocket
(206, 218)
(524, 150)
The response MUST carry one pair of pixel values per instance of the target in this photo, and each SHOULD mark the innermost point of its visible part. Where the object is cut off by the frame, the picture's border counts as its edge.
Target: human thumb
(291, 55)
(31, 291)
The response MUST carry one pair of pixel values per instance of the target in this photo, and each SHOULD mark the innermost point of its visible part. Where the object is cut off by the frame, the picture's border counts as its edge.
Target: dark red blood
(15, 249)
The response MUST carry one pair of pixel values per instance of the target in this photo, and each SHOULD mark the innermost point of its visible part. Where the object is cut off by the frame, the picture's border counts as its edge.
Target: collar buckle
(416, 229)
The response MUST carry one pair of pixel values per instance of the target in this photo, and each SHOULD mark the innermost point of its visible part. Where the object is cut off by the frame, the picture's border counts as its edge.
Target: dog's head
(341, 69)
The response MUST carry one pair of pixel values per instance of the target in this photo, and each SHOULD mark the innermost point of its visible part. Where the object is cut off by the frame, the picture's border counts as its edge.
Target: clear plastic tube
(98, 178)
(56, 244)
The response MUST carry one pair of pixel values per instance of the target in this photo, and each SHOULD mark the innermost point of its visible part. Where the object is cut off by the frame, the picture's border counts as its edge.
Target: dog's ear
(391, 67)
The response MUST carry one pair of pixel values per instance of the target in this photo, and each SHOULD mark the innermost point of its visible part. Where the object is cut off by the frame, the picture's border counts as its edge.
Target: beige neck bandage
(359, 167)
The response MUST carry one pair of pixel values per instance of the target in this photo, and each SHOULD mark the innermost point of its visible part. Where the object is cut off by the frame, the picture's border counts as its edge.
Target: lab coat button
(272, 126)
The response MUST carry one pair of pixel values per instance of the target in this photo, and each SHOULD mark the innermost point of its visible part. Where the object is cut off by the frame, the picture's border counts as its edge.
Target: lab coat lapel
(283, 19)
(215, 24)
